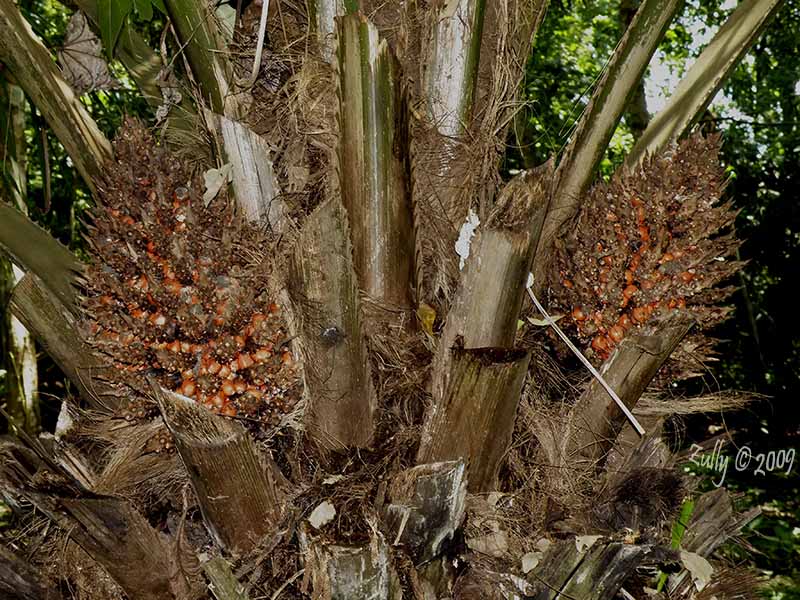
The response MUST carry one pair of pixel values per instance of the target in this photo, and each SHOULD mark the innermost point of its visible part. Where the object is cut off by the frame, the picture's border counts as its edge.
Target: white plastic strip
(262, 34)
(636, 425)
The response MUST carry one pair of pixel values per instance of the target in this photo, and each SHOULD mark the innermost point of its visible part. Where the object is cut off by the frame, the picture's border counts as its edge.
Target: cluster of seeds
(179, 290)
(653, 241)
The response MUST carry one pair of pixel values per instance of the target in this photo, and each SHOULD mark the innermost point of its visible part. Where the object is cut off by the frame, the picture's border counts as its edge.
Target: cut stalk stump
(234, 484)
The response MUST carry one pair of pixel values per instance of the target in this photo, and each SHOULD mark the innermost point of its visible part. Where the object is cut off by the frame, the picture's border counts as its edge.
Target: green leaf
(111, 16)
(159, 4)
(144, 10)
(351, 6)
(679, 527)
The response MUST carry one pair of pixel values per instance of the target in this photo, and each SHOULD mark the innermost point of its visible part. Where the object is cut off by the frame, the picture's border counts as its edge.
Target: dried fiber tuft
(644, 497)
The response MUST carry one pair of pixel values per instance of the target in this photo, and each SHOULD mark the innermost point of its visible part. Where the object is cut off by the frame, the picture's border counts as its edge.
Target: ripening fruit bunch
(654, 241)
(177, 289)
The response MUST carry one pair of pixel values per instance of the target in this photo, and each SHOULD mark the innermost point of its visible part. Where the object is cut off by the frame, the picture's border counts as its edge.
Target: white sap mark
(465, 237)
(322, 515)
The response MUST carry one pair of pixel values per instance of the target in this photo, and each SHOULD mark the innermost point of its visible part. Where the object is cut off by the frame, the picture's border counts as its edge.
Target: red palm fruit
(616, 333)
(229, 410)
(214, 367)
(173, 286)
(188, 387)
(263, 354)
(245, 360)
(600, 344)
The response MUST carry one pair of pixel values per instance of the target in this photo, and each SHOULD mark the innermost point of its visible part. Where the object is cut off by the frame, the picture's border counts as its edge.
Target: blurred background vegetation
(757, 112)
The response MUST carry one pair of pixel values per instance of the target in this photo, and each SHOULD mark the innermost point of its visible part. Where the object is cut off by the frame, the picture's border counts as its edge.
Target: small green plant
(678, 530)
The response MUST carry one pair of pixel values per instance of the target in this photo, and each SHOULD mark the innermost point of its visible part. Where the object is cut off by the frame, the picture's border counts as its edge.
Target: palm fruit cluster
(178, 290)
(654, 240)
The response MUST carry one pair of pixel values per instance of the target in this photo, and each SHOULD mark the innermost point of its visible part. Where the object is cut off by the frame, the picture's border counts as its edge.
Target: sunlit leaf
(144, 9)
(111, 15)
